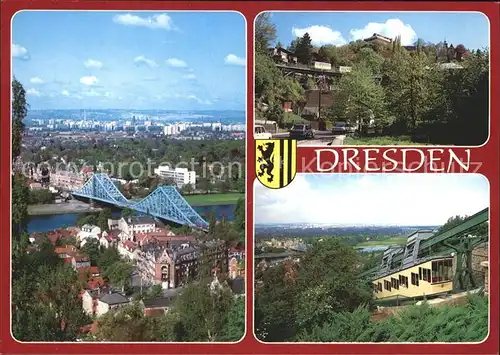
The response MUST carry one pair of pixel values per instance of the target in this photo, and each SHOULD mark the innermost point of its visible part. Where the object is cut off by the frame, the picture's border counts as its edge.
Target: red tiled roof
(93, 270)
(81, 257)
(129, 245)
(145, 238)
(95, 282)
(114, 233)
(65, 250)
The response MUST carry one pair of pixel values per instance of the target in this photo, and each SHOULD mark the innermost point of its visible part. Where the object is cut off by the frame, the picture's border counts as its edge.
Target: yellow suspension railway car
(427, 278)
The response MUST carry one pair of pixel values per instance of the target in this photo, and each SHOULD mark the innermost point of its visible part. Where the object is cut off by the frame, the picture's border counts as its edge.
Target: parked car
(303, 131)
(260, 133)
(343, 128)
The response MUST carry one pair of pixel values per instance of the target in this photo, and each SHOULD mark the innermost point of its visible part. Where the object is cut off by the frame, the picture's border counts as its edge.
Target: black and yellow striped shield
(275, 162)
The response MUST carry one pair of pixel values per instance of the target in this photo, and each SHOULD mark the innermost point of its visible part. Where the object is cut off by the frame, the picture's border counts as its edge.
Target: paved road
(320, 138)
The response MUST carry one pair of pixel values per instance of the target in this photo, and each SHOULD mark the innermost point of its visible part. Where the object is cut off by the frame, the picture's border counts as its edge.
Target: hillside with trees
(323, 299)
(430, 92)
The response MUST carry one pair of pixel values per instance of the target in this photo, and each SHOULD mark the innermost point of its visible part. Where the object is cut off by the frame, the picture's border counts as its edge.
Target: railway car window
(442, 270)
(414, 279)
(387, 285)
(380, 286)
(420, 273)
(403, 281)
(395, 283)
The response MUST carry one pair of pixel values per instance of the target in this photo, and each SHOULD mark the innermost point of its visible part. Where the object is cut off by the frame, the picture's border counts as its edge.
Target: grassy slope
(213, 199)
(379, 141)
(390, 241)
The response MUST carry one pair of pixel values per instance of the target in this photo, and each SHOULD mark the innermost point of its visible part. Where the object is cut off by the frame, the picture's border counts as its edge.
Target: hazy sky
(155, 60)
(377, 199)
(337, 28)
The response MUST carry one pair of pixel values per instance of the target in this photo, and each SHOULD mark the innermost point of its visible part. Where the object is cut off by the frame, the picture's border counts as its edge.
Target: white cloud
(19, 52)
(161, 21)
(36, 80)
(234, 60)
(176, 63)
(391, 28)
(377, 199)
(142, 60)
(33, 92)
(189, 76)
(91, 93)
(73, 96)
(92, 63)
(108, 94)
(321, 35)
(200, 101)
(89, 80)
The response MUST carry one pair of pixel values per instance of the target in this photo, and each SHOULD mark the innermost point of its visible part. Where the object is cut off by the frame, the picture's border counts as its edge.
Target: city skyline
(338, 28)
(372, 199)
(145, 60)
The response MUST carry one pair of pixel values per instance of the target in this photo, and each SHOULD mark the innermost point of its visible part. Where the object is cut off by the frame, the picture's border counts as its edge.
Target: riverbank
(229, 198)
(73, 206)
(50, 221)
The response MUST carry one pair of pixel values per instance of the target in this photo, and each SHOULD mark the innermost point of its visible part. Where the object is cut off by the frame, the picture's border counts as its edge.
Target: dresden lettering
(437, 160)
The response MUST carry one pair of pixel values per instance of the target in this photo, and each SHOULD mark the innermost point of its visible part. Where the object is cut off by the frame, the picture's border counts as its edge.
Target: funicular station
(431, 264)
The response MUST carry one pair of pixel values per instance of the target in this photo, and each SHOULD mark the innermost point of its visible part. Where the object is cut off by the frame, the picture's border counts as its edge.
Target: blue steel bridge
(164, 202)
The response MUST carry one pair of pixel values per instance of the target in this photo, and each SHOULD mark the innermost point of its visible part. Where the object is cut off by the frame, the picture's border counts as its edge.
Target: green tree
(102, 219)
(127, 212)
(19, 113)
(293, 298)
(370, 59)
(303, 50)
(204, 185)
(408, 89)
(203, 311)
(212, 223)
(92, 249)
(51, 308)
(223, 186)
(187, 189)
(43, 196)
(234, 328)
(293, 45)
(414, 324)
(155, 291)
(360, 99)
(20, 198)
(107, 258)
(272, 88)
(119, 274)
(20, 191)
(265, 32)
(239, 215)
(86, 218)
(275, 306)
(127, 324)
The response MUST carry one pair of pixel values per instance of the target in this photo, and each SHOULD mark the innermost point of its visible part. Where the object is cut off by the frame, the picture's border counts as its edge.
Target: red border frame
(487, 154)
